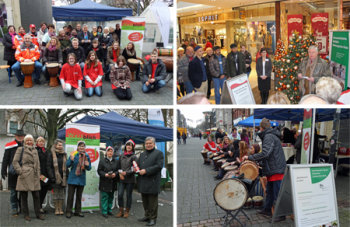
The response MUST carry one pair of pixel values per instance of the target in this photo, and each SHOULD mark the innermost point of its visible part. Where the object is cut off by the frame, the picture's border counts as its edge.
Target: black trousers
(123, 93)
(150, 205)
(42, 193)
(264, 96)
(209, 88)
(78, 191)
(24, 201)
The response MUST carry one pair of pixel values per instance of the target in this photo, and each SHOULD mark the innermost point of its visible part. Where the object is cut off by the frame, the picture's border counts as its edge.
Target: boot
(120, 213)
(60, 206)
(57, 212)
(126, 214)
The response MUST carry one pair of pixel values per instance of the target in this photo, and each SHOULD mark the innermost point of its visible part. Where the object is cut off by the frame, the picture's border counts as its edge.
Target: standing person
(85, 38)
(78, 28)
(207, 62)
(94, 33)
(196, 71)
(50, 33)
(244, 136)
(220, 134)
(127, 178)
(27, 165)
(235, 62)
(200, 136)
(248, 59)
(154, 74)
(108, 170)
(184, 137)
(178, 137)
(33, 34)
(10, 48)
(44, 181)
(274, 164)
(71, 78)
(79, 53)
(120, 79)
(113, 52)
(235, 134)
(182, 69)
(263, 70)
(65, 44)
(58, 172)
(19, 38)
(79, 162)
(118, 31)
(93, 73)
(10, 151)
(218, 72)
(42, 31)
(151, 162)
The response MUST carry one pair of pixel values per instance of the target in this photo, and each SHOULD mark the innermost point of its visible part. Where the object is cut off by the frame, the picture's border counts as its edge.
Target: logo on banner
(319, 19)
(135, 36)
(93, 154)
(295, 20)
(306, 141)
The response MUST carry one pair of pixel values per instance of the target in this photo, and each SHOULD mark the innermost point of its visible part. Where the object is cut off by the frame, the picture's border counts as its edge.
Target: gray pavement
(45, 95)
(165, 214)
(195, 202)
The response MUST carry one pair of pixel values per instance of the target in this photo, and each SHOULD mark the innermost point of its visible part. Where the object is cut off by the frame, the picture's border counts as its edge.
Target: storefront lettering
(208, 18)
(295, 20)
(318, 19)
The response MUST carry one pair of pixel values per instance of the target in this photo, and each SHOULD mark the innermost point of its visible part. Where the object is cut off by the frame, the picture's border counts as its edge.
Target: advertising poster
(319, 26)
(133, 29)
(340, 60)
(305, 146)
(237, 91)
(90, 134)
(314, 196)
(295, 24)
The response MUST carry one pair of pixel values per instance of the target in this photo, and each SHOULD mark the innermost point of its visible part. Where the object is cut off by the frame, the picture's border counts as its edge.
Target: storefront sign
(305, 148)
(295, 24)
(237, 91)
(90, 134)
(319, 26)
(208, 18)
(133, 29)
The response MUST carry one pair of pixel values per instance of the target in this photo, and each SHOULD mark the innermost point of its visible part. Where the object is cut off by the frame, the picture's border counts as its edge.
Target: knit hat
(109, 147)
(216, 48)
(197, 48)
(233, 45)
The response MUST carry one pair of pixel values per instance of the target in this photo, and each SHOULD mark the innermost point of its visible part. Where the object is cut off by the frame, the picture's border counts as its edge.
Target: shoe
(14, 212)
(144, 219)
(27, 218)
(265, 213)
(68, 215)
(37, 82)
(151, 222)
(126, 213)
(280, 218)
(60, 205)
(120, 213)
(105, 215)
(19, 84)
(57, 211)
(42, 211)
(41, 217)
(79, 214)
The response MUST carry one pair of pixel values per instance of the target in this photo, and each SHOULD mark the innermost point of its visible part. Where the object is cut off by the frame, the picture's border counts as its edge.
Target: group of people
(196, 72)
(30, 167)
(182, 136)
(84, 57)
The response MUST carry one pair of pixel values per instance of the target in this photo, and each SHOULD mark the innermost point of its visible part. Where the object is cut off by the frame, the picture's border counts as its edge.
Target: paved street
(45, 95)
(165, 214)
(195, 202)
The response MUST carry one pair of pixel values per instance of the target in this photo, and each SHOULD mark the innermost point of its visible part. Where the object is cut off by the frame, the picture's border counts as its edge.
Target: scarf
(59, 180)
(128, 153)
(13, 35)
(80, 166)
(52, 34)
(130, 53)
(115, 55)
(94, 33)
(42, 148)
(52, 48)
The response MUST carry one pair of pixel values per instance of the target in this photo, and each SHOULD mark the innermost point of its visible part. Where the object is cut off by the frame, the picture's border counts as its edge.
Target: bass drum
(230, 194)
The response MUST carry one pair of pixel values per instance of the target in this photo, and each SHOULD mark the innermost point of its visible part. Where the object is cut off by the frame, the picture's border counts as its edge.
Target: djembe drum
(27, 69)
(133, 64)
(168, 62)
(250, 170)
(52, 69)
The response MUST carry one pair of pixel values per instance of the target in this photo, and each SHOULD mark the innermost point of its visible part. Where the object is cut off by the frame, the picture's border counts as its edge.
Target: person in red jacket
(19, 38)
(210, 146)
(71, 77)
(93, 73)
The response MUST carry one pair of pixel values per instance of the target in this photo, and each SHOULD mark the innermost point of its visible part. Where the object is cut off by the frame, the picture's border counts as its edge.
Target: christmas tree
(287, 62)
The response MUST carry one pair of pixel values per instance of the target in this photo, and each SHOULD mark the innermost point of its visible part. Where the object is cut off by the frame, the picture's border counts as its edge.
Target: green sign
(340, 51)
(318, 174)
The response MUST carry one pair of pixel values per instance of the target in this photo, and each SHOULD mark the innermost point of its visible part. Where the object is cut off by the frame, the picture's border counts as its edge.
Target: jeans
(155, 86)
(189, 87)
(121, 188)
(218, 83)
(20, 77)
(90, 91)
(14, 199)
(272, 190)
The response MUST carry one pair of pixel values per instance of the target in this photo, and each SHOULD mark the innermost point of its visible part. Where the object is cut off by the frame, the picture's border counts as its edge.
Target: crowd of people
(84, 58)
(198, 70)
(31, 167)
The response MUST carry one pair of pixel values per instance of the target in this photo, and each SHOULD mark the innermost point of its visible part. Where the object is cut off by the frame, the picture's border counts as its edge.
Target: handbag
(12, 170)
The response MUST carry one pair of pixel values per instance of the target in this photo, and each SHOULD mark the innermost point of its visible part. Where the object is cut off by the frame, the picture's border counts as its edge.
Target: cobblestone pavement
(165, 214)
(195, 202)
(45, 95)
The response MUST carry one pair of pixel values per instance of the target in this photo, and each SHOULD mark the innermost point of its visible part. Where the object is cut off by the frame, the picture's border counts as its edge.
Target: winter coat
(86, 45)
(79, 53)
(207, 62)
(264, 85)
(43, 163)
(23, 52)
(29, 173)
(99, 53)
(214, 66)
(160, 73)
(248, 60)
(110, 55)
(9, 53)
(52, 56)
(195, 72)
(126, 56)
(125, 165)
(10, 151)
(271, 156)
(51, 168)
(231, 65)
(106, 166)
(152, 161)
(72, 177)
(182, 68)
(120, 76)
(108, 40)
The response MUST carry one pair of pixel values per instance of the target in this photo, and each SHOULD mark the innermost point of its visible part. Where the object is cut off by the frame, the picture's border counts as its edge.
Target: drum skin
(133, 64)
(230, 168)
(230, 194)
(250, 170)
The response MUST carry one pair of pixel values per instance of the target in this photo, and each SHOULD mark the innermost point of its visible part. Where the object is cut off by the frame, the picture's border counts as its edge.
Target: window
(171, 35)
(12, 127)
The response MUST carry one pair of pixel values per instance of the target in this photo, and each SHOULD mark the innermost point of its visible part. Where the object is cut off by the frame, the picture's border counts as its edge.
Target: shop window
(12, 127)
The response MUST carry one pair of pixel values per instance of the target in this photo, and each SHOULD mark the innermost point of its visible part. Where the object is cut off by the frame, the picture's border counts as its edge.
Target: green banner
(88, 142)
(340, 51)
(318, 174)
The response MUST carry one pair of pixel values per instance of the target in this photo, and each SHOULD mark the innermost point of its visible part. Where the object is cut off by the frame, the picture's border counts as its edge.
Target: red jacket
(93, 73)
(71, 74)
(210, 146)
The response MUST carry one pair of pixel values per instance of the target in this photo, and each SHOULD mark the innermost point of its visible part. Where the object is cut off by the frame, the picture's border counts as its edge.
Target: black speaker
(159, 45)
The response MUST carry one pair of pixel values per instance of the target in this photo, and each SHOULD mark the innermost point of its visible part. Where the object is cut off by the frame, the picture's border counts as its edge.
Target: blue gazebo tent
(87, 10)
(249, 122)
(116, 128)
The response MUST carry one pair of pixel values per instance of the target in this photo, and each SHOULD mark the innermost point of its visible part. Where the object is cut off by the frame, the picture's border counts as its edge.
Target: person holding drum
(129, 52)
(154, 74)
(93, 73)
(121, 79)
(78, 51)
(274, 164)
(27, 53)
(230, 159)
(52, 54)
(71, 77)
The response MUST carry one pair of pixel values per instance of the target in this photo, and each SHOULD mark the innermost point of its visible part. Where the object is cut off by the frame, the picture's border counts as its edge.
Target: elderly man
(218, 72)
(10, 150)
(196, 71)
(27, 52)
(235, 62)
(153, 74)
(311, 69)
(85, 39)
(329, 89)
(207, 61)
(150, 163)
(182, 69)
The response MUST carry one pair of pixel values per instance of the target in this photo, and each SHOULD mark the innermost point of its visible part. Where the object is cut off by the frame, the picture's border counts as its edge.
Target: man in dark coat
(154, 74)
(85, 38)
(117, 30)
(10, 150)
(150, 163)
(196, 71)
(235, 62)
(274, 164)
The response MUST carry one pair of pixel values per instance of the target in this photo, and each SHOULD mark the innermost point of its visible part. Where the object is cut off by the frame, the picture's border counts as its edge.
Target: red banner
(319, 27)
(295, 23)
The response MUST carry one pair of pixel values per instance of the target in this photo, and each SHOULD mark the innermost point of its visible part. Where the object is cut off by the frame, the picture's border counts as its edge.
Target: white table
(288, 152)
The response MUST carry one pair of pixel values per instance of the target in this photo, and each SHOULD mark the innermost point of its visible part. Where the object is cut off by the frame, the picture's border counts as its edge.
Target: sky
(194, 114)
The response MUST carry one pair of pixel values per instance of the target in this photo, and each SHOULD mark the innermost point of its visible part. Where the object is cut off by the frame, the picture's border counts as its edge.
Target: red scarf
(42, 148)
(128, 153)
(114, 55)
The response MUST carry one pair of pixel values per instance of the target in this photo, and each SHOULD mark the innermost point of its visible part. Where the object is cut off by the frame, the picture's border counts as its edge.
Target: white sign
(133, 29)
(237, 91)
